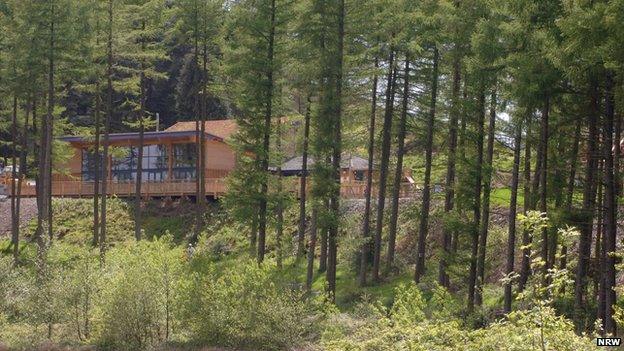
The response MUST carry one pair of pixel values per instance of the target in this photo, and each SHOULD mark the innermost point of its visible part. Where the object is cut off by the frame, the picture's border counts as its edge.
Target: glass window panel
(185, 158)
(88, 165)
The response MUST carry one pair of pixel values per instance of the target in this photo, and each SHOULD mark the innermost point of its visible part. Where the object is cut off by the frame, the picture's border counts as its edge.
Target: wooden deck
(215, 187)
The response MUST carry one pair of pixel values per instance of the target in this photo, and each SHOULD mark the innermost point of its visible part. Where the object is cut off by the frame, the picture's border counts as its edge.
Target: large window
(184, 161)
(124, 164)
(155, 163)
(88, 165)
(123, 168)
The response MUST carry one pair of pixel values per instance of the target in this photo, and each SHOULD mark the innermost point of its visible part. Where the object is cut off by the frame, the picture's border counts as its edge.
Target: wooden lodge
(169, 165)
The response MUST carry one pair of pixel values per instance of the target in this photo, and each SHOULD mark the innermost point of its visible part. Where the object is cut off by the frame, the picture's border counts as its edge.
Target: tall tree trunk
(485, 216)
(597, 274)
(139, 174)
(398, 174)
(543, 179)
(601, 254)
(49, 126)
(139, 181)
(426, 197)
(462, 156)
(323, 248)
(364, 255)
(513, 207)
(97, 165)
(472, 275)
(279, 225)
(570, 187)
(107, 121)
(449, 183)
(588, 207)
(525, 263)
(21, 177)
(304, 177)
(42, 184)
(383, 169)
(201, 198)
(610, 233)
(14, 206)
(311, 247)
(268, 113)
(332, 254)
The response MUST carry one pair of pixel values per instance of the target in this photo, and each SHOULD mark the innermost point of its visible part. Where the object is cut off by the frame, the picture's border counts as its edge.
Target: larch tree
(256, 27)
(139, 52)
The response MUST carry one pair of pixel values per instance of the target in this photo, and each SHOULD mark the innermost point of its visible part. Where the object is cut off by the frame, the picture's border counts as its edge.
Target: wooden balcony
(215, 187)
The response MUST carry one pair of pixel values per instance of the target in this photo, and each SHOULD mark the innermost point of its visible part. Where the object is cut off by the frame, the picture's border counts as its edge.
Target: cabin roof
(223, 128)
(215, 130)
(352, 162)
(147, 136)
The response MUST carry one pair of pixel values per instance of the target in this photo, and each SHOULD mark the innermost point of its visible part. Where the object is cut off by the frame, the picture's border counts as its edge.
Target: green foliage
(242, 306)
(73, 221)
(138, 300)
(404, 327)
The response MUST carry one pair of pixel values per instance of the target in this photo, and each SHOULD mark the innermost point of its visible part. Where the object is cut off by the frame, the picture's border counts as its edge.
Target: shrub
(404, 327)
(137, 305)
(243, 307)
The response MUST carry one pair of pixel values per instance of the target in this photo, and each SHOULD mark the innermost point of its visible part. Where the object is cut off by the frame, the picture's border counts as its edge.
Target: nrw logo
(608, 341)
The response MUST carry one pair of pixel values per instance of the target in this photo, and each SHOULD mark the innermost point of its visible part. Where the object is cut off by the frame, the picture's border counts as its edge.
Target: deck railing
(215, 187)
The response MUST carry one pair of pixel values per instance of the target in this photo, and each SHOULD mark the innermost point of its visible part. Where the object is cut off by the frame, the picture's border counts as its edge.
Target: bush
(407, 325)
(137, 305)
(243, 307)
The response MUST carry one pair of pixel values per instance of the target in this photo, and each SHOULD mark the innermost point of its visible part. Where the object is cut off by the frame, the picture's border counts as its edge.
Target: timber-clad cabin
(169, 165)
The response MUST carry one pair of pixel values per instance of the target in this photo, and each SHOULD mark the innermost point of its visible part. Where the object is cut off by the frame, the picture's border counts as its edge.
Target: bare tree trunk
(449, 184)
(543, 179)
(21, 176)
(426, 198)
(332, 249)
(610, 233)
(262, 223)
(303, 184)
(201, 175)
(14, 205)
(97, 160)
(279, 225)
(41, 184)
(139, 179)
(107, 121)
(365, 250)
(597, 274)
(472, 277)
(513, 208)
(323, 254)
(485, 216)
(462, 156)
(383, 169)
(311, 248)
(601, 256)
(398, 174)
(526, 237)
(49, 127)
(588, 207)
(570, 187)
(139, 174)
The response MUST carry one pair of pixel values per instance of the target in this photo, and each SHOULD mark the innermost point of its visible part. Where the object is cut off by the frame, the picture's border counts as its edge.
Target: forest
(344, 175)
